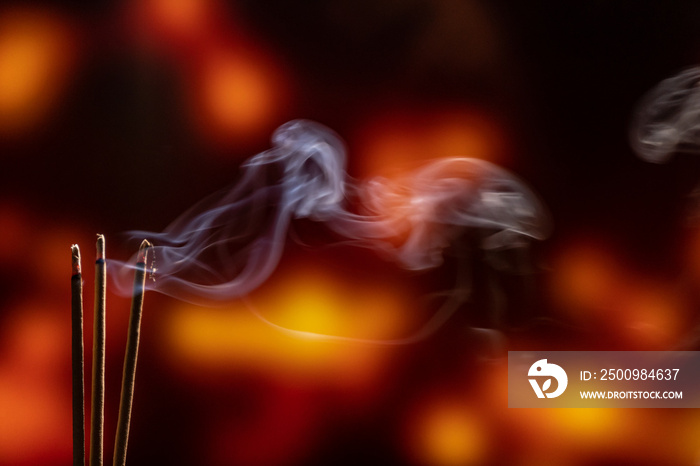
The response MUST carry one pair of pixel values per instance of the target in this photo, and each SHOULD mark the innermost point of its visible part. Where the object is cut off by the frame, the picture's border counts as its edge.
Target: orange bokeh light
(401, 140)
(586, 280)
(234, 90)
(595, 287)
(446, 433)
(237, 95)
(36, 53)
(35, 411)
(653, 314)
(639, 436)
(687, 429)
(598, 428)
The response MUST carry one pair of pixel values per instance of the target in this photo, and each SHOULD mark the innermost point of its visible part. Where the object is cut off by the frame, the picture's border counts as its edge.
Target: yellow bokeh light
(308, 325)
(588, 425)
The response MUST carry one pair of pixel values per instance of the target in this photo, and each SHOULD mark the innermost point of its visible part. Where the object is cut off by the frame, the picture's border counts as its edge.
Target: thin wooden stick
(132, 348)
(77, 360)
(98, 357)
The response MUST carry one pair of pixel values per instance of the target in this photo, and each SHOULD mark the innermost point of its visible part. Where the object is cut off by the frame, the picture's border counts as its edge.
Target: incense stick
(132, 348)
(98, 357)
(77, 360)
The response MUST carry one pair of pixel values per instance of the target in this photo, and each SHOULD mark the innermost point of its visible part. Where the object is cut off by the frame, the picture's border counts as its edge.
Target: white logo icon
(540, 369)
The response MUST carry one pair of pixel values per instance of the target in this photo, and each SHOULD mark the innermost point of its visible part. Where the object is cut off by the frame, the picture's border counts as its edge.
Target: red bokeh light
(176, 28)
(282, 430)
(586, 283)
(34, 407)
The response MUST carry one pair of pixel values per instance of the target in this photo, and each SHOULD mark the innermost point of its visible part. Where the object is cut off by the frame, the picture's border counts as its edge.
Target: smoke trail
(229, 244)
(667, 121)
(668, 118)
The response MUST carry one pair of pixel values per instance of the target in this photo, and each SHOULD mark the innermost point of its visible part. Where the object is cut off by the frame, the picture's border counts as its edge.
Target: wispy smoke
(229, 244)
(668, 118)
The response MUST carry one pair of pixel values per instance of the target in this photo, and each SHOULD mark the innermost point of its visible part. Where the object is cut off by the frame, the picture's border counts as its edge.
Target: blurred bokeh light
(37, 53)
(402, 139)
(34, 398)
(447, 434)
(238, 96)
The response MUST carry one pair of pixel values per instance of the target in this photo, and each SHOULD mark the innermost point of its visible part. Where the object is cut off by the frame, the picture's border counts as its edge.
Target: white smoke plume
(229, 244)
(667, 120)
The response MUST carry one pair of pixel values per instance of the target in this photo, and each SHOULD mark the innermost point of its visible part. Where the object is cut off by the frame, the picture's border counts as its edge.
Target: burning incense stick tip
(100, 248)
(143, 251)
(76, 259)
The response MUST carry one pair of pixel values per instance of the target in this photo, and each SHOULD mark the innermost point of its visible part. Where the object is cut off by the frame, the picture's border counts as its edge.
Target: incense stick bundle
(98, 357)
(132, 348)
(77, 353)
